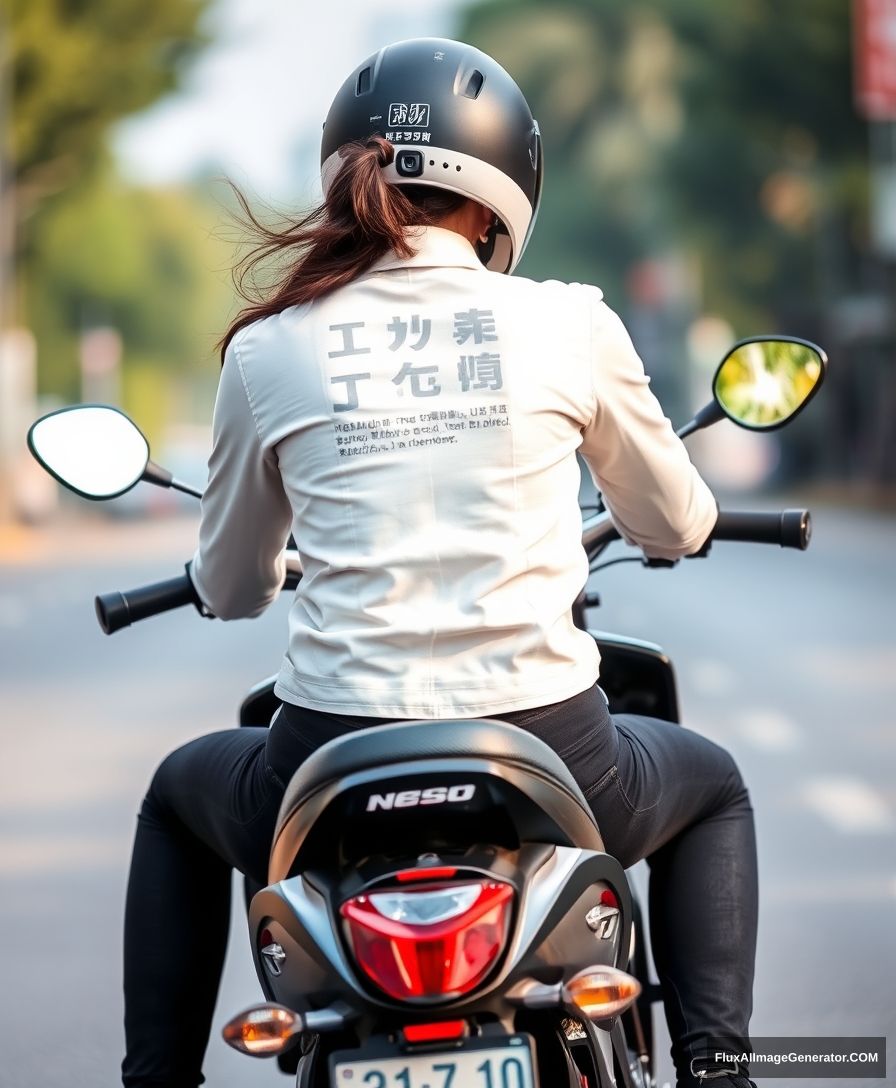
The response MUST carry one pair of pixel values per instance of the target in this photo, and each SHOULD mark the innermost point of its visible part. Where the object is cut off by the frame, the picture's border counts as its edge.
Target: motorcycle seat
(534, 769)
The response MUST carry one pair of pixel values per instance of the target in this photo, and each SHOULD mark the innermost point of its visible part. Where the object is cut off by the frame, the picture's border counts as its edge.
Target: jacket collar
(434, 247)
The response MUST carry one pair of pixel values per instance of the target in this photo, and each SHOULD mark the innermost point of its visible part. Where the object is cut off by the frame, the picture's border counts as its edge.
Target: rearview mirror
(763, 383)
(94, 450)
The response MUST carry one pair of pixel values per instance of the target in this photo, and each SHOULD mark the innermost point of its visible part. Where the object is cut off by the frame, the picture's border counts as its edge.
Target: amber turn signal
(263, 1031)
(602, 991)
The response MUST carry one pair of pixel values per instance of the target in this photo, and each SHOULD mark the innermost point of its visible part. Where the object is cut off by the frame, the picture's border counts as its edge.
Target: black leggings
(657, 790)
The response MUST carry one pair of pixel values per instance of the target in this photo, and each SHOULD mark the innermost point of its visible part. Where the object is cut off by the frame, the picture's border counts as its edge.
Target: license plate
(474, 1063)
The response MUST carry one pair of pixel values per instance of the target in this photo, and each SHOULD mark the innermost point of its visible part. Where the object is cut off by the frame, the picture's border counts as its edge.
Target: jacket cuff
(198, 603)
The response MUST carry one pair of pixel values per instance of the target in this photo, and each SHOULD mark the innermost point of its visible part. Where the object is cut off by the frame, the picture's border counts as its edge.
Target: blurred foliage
(145, 262)
(724, 132)
(91, 250)
(700, 158)
(74, 67)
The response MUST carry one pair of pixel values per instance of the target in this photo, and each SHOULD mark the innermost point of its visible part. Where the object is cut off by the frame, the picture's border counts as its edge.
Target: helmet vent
(363, 85)
(474, 85)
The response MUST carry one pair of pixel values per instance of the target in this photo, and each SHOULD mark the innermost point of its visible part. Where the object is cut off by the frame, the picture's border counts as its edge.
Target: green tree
(70, 69)
(149, 263)
(75, 66)
(723, 130)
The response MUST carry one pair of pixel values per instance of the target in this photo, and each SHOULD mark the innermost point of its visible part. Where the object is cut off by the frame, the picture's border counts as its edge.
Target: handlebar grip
(117, 610)
(788, 528)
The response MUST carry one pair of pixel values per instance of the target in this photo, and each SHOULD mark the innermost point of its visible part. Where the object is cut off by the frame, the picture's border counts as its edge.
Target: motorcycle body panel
(341, 835)
(530, 843)
(637, 677)
(556, 889)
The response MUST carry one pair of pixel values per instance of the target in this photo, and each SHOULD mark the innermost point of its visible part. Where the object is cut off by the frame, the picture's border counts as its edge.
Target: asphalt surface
(788, 659)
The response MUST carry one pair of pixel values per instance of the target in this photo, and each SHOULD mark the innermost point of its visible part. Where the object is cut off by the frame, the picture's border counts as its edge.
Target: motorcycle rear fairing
(332, 843)
(336, 803)
(300, 912)
(556, 888)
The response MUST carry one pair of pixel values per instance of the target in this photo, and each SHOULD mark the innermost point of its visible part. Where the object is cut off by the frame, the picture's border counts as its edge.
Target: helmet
(457, 121)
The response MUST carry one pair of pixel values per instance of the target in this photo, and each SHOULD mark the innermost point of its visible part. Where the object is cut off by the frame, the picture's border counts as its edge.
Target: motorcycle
(440, 910)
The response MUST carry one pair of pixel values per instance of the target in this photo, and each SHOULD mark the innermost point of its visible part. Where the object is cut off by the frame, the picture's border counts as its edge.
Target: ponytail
(362, 218)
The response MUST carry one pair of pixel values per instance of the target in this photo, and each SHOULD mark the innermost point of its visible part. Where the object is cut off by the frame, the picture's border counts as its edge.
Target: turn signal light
(263, 1031)
(602, 991)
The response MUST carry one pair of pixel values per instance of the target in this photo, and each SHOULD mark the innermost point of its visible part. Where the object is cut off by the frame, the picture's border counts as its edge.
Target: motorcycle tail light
(434, 1033)
(429, 942)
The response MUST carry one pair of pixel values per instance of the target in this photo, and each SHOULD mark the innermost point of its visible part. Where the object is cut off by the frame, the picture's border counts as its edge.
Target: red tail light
(429, 941)
(432, 1033)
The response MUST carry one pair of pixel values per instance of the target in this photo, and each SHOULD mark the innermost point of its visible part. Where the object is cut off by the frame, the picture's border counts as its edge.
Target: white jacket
(417, 431)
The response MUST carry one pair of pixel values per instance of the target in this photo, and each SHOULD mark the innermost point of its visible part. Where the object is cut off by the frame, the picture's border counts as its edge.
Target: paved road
(788, 659)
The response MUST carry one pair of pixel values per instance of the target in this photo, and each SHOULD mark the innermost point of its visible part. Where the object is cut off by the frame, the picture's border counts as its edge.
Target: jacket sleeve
(239, 567)
(656, 497)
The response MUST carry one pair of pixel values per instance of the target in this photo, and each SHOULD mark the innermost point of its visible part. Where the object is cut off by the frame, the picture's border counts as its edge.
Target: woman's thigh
(645, 779)
(665, 779)
(220, 790)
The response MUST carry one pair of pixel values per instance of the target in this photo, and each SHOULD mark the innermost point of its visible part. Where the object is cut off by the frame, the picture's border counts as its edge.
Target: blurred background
(718, 174)
(720, 170)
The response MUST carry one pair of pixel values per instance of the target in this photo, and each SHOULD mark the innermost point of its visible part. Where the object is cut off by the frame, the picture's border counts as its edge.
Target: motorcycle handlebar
(117, 610)
(788, 528)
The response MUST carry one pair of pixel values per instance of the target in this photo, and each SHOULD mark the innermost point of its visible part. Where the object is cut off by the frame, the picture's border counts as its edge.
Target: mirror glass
(763, 383)
(94, 450)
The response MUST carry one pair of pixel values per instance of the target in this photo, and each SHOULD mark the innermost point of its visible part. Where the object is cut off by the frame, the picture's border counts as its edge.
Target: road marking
(769, 730)
(709, 677)
(847, 804)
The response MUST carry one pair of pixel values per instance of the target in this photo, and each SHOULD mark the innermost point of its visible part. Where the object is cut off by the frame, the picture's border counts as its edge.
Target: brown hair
(361, 219)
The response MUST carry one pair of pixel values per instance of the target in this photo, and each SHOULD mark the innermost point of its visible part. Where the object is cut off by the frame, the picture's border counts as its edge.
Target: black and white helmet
(457, 121)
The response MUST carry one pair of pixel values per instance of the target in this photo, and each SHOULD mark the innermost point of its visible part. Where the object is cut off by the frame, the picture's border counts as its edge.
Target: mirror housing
(92, 449)
(764, 382)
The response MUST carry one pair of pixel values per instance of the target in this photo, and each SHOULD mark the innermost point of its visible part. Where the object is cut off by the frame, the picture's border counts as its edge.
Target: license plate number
(474, 1066)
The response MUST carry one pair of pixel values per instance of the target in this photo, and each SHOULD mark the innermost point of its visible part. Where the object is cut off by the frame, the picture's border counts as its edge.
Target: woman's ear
(487, 221)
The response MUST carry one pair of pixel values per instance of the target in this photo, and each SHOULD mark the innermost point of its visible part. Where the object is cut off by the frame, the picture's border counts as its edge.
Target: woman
(412, 414)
